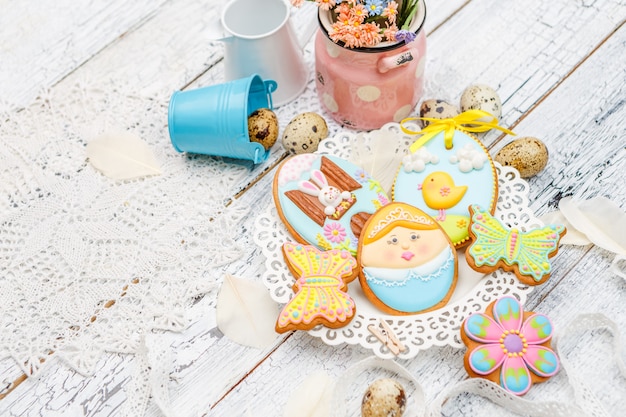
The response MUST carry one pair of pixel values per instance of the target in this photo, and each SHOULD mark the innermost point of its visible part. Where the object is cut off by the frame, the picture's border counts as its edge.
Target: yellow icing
(320, 290)
(440, 192)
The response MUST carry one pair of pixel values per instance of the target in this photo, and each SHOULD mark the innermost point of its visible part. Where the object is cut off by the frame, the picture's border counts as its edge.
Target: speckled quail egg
(527, 154)
(384, 397)
(437, 109)
(482, 97)
(263, 127)
(304, 133)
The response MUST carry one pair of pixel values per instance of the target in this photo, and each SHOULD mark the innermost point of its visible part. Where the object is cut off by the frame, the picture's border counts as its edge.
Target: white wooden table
(560, 69)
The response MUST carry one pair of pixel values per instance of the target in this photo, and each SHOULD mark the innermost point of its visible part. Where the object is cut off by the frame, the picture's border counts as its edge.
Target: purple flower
(362, 176)
(405, 35)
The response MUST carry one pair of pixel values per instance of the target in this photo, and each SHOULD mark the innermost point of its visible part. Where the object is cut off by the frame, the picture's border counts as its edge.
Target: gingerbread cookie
(317, 197)
(509, 346)
(526, 254)
(408, 263)
(443, 181)
(321, 284)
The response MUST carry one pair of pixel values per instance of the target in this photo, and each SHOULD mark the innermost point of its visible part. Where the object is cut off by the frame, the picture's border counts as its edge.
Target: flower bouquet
(366, 23)
(370, 59)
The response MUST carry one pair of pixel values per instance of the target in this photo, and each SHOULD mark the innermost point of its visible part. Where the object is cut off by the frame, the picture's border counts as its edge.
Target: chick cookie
(408, 263)
(445, 181)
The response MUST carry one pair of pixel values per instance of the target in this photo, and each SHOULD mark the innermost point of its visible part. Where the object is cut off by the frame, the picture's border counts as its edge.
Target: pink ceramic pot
(364, 88)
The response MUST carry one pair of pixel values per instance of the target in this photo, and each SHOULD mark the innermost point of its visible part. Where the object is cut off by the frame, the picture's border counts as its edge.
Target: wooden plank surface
(41, 44)
(557, 69)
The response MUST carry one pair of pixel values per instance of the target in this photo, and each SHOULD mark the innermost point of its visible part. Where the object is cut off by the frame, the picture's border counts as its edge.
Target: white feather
(246, 313)
(600, 219)
(312, 398)
(573, 236)
(380, 154)
(122, 156)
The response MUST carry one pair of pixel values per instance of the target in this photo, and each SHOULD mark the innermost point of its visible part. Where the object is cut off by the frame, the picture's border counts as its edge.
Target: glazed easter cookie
(444, 182)
(526, 254)
(317, 197)
(408, 263)
(320, 288)
(509, 346)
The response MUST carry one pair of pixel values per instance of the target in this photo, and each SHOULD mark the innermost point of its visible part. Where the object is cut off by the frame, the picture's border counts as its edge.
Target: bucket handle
(398, 60)
(270, 87)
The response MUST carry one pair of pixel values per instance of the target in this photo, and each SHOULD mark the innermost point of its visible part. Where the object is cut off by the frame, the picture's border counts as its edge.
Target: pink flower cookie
(509, 346)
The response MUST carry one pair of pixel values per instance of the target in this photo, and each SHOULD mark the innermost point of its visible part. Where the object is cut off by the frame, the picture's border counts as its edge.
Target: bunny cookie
(318, 196)
(328, 195)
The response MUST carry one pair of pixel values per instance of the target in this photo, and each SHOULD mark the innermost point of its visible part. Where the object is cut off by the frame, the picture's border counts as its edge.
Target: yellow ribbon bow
(469, 121)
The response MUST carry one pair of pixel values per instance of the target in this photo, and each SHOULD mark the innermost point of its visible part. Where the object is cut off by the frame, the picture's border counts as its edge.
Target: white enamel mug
(260, 40)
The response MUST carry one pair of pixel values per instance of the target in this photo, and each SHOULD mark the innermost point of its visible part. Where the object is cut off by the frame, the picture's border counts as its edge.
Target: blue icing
(548, 362)
(480, 182)
(481, 360)
(369, 197)
(515, 380)
(416, 291)
(507, 309)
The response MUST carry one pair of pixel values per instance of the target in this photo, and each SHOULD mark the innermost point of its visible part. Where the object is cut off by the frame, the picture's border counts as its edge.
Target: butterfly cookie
(321, 286)
(526, 254)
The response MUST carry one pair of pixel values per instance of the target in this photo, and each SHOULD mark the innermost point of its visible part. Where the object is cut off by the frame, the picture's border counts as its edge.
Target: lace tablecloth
(89, 264)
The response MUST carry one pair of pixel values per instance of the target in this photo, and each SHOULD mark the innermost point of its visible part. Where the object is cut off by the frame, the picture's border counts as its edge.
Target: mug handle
(398, 60)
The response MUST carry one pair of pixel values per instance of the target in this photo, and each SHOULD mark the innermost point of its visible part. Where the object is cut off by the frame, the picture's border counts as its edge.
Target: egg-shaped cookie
(317, 196)
(445, 182)
(408, 264)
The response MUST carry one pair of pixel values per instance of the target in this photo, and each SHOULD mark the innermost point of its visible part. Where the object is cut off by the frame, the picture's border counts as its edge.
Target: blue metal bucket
(213, 120)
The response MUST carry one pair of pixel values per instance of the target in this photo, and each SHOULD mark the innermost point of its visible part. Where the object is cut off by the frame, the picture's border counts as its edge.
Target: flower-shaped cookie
(509, 346)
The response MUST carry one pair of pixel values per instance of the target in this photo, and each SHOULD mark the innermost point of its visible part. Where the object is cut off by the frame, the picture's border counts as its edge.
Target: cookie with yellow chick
(444, 181)
(440, 192)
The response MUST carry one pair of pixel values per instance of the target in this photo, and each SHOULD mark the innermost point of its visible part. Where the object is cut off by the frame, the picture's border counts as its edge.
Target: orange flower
(351, 29)
(390, 32)
(391, 11)
(340, 32)
(325, 4)
(353, 14)
(359, 12)
(342, 8)
(370, 34)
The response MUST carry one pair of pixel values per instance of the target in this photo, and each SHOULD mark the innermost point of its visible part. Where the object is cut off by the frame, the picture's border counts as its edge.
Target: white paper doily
(474, 291)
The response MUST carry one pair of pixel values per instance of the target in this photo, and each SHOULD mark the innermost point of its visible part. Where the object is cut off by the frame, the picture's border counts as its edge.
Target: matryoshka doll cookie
(444, 182)
(322, 199)
(408, 263)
